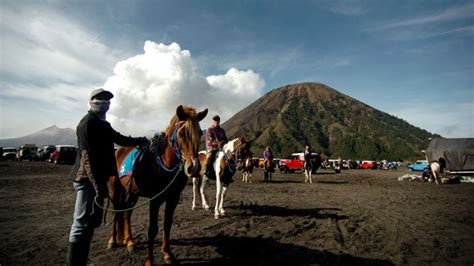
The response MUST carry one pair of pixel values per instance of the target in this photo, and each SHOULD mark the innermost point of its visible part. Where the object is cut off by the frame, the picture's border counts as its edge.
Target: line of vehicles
(67, 154)
(296, 164)
(30, 152)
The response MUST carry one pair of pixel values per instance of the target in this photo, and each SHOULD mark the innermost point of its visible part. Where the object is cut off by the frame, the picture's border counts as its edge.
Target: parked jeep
(27, 152)
(420, 165)
(296, 163)
(45, 152)
(9, 153)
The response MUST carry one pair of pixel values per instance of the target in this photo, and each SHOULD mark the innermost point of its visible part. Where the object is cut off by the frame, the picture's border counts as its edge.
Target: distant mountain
(332, 123)
(50, 135)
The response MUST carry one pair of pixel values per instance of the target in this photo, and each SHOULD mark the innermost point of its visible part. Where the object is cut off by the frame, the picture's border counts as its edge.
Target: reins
(178, 168)
(143, 203)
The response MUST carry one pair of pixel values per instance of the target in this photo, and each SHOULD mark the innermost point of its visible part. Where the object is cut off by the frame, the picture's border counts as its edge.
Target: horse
(224, 167)
(247, 168)
(268, 170)
(172, 158)
(311, 166)
(437, 168)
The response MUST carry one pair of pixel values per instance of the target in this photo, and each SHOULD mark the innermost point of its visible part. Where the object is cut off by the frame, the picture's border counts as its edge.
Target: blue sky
(412, 59)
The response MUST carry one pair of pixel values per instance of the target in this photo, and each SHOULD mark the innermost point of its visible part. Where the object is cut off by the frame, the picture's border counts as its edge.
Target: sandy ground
(356, 217)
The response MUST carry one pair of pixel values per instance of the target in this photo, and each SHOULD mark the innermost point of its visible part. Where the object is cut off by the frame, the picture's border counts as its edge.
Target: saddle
(135, 165)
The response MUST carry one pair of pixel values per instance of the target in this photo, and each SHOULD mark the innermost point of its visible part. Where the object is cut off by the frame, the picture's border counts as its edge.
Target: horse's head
(185, 129)
(239, 147)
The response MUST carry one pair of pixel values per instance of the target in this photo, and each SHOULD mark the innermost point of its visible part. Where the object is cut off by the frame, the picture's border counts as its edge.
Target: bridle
(173, 142)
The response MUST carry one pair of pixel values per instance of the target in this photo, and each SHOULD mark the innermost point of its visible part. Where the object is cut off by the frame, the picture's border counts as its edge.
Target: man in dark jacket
(95, 165)
(215, 139)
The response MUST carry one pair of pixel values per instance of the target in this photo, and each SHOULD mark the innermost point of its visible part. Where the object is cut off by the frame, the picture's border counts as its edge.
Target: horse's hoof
(111, 245)
(216, 216)
(131, 248)
(193, 208)
(148, 262)
(206, 208)
(169, 258)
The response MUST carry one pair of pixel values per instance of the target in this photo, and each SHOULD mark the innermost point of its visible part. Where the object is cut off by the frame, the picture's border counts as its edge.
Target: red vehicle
(296, 163)
(367, 164)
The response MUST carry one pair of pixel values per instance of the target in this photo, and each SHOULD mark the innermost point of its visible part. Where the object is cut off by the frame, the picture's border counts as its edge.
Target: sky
(411, 59)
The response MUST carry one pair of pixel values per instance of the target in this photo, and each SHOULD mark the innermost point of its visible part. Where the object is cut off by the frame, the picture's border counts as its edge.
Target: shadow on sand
(268, 210)
(267, 251)
(332, 182)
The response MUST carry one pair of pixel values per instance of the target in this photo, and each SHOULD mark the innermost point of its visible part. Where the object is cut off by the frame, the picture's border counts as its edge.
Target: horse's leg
(152, 229)
(115, 197)
(171, 204)
(249, 177)
(203, 194)
(195, 191)
(218, 197)
(221, 206)
(127, 225)
(128, 239)
(310, 176)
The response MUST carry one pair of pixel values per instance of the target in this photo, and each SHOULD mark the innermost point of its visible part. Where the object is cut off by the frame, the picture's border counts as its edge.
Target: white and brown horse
(171, 159)
(224, 167)
(437, 169)
(247, 168)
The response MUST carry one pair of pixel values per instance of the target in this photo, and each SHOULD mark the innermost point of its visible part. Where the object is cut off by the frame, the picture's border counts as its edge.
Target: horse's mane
(190, 130)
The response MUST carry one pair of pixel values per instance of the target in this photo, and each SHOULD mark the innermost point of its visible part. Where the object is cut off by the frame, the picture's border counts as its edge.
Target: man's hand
(220, 144)
(142, 141)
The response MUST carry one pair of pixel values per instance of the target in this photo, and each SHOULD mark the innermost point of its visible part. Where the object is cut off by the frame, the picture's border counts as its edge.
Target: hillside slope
(332, 123)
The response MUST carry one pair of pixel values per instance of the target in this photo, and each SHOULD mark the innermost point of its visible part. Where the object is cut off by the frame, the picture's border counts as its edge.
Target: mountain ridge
(332, 123)
(51, 135)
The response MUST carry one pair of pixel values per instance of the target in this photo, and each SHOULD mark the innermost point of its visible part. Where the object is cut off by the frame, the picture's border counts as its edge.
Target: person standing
(95, 165)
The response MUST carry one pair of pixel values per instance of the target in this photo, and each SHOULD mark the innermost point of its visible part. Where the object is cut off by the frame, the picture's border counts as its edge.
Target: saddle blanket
(127, 165)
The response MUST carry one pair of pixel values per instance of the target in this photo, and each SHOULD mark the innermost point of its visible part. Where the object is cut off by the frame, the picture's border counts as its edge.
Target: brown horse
(224, 167)
(171, 159)
(268, 168)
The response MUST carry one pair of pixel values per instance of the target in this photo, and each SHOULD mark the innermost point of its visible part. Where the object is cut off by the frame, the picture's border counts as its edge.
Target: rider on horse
(268, 156)
(215, 140)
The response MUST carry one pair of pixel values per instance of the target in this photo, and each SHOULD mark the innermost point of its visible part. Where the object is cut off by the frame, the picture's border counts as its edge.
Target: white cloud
(148, 88)
(42, 45)
(48, 63)
(449, 14)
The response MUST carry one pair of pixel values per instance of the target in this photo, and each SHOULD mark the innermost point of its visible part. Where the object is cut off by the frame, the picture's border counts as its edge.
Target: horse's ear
(180, 113)
(202, 114)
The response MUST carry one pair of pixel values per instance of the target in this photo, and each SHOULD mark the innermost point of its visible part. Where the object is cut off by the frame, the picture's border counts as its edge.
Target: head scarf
(100, 107)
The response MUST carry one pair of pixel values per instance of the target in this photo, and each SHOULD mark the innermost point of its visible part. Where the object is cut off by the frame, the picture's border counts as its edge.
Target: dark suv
(45, 152)
(64, 154)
